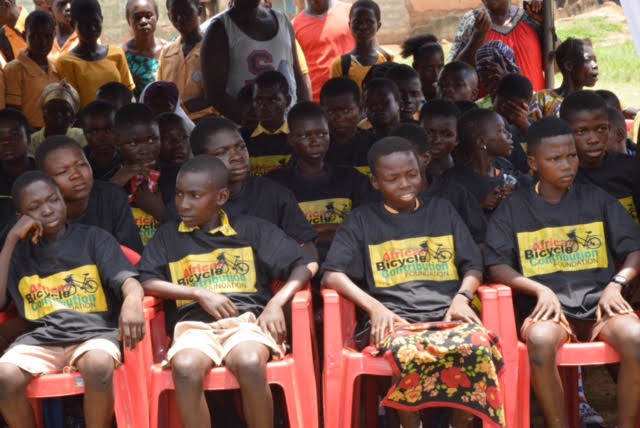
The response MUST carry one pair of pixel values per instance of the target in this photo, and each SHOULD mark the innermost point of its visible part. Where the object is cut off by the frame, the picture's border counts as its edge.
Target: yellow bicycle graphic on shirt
(88, 285)
(441, 254)
(238, 265)
(590, 242)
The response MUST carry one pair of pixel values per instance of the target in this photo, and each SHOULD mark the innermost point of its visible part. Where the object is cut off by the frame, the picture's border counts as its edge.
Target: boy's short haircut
(305, 110)
(377, 71)
(96, 108)
(214, 167)
(245, 96)
(16, 116)
(413, 45)
(515, 85)
(39, 19)
(169, 118)
(414, 134)
(338, 86)
(51, 144)
(581, 101)
(25, 180)
(366, 4)
(206, 127)
(115, 90)
(616, 118)
(133, 114)
(170, 2)
(402, 73)
(386, 146)
(458, 67)
(547, 127)
(465, 105)
(82, 8)
(471, 125)
(130, 3)
(610, 98)
(272, 79)
(571, 50)
(383, 84)
(440, 108)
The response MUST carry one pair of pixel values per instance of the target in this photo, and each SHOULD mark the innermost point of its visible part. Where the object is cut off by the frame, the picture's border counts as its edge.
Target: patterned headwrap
(61, 91)
(494, 51)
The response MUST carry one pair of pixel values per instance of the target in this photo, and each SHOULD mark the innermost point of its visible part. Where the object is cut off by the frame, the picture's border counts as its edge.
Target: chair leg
(352, 393)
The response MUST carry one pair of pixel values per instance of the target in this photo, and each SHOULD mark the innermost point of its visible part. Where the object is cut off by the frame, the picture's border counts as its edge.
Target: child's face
(175, 143)
(457, 86)
(183, 15)
(61, 11)
(142, 18)
(363, 24)
(98, 130)
(429, 68)
(58, 116)
(89, 28)
(381, 107)
(496, 138)
(585, 73)
(270, 103)
(591, 134)
(70, 169)
(13, 142)
(43, 202)
(398, 179)
(40, 41)
(309, 139)
(443, 135)
(198, 198)
(556, 161)
(228, 146)
(410, 97)
(140, 144)
(42, 5)
(343, 114)
(502, 107)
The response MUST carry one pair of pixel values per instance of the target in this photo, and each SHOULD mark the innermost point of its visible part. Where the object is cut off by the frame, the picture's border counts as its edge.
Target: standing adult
(240, 44)
(322, 29)
(516, 27)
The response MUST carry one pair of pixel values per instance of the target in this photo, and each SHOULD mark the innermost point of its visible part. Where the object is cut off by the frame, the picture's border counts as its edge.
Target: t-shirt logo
(630, 206)
(326, 211)
(146, 224)
(413, 259)
(225, 270)
(263, 165)
(78, 289)
(566, 248)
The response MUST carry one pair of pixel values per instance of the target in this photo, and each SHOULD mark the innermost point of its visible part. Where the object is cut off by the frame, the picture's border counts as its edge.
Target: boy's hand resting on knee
(612, 303)
(382, 323)
(272, 320)
(218, 306)
(548, 306)
(26, 227)
(132, 314)
(461, 311)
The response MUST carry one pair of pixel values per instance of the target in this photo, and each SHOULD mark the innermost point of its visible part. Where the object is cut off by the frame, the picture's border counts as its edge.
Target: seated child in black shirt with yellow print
(267, 142)
(556, 244)
(415, 260)
(68, 280)
(216, 276)
(326, 193)
(586, 113)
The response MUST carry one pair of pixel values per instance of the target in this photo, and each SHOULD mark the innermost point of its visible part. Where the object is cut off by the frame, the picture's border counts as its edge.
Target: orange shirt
(15, 35)
(57, 50)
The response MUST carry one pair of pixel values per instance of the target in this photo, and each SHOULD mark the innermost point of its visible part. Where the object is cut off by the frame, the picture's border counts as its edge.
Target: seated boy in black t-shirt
(407, 80)
(340, 98)
(97, 124)
(586, 113)
(458, 81)
(69, 281)
(414, 259)
(325, 193)
(215, 274)
(267, 142)
(439, 118)
(91, 202)
(441, 187)
(149, 185)
(256, 196)
(557, 243)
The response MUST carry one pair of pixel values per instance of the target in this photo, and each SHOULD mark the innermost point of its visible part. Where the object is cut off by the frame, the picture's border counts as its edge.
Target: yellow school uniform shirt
(25, 81)
(38, 137)
(57, 50)
(88, 76)
(186, 73)
(15, 35)
(357, 72)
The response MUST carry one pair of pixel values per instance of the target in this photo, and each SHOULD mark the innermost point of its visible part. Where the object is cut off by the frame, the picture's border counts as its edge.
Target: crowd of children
(402, 187)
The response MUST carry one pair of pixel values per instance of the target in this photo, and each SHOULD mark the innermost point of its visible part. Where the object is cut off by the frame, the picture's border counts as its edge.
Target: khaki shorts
(577, 330)
(39, 360)
(218, 338)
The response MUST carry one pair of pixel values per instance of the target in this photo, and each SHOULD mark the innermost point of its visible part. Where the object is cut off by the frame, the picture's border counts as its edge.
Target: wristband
(619, 279)
(467, 294)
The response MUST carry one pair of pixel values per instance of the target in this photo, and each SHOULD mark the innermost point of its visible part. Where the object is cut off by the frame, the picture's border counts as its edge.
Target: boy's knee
(541, 345)
(186, 369)
(249, 366)
(630, 349)
(97, 370)
(12, 381)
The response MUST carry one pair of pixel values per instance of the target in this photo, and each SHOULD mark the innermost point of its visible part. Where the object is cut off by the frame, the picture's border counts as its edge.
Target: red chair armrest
(302, 324)
(133, 256)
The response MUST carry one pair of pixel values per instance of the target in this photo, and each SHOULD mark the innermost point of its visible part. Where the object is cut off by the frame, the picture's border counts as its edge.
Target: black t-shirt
(267, 152)
(103, 173)
(241, 265)
(352, 153)
(569, 247)
(6, 180)
(69, 289)
(614, 176)
(463, 202)
(412, 263)
(518, 156)
(109, 209)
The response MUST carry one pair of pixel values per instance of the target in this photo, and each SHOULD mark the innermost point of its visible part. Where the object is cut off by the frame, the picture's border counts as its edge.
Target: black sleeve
(126, 231)
(112, 264)
(292, 219)
(469, 210)
(623, 233)
(155, 258)
(347, 250)
(500, 246)
(468, 255)
(363, 191)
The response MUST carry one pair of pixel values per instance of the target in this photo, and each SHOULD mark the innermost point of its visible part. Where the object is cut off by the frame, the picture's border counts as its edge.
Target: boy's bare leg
(97, 369)
(461, 419)
(623, 333)
(248, 362)
(409, 419)
(543, 340)
(14, 405)
(189, 368)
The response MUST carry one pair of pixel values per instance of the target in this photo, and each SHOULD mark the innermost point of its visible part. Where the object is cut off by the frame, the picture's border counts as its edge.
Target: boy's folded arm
(131, 313)
(166, 290)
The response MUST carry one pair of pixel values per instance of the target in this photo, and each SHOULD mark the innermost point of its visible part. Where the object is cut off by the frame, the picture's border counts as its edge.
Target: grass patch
(594, 28)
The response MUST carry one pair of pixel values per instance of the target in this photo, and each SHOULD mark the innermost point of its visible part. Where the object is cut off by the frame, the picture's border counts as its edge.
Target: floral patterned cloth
(445, 363)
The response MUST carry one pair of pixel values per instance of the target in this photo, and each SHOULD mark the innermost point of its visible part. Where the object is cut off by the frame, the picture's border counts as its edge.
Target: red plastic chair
(498, 304)
(344, 366)
(295, 373)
